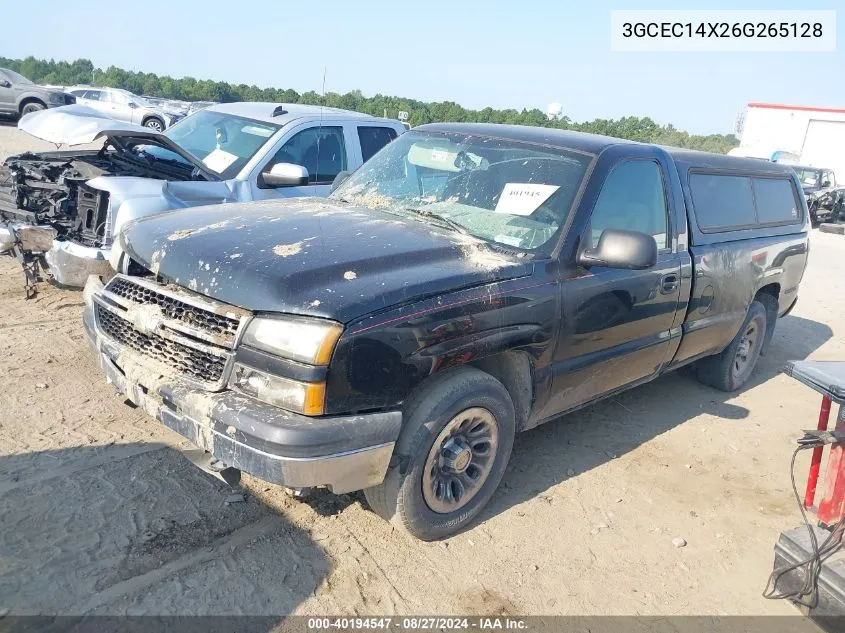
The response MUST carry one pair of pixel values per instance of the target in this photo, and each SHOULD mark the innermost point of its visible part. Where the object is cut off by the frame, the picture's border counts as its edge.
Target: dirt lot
(100, 512)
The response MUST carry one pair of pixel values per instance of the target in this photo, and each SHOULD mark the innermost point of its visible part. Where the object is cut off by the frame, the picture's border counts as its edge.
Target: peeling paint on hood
(338, 261)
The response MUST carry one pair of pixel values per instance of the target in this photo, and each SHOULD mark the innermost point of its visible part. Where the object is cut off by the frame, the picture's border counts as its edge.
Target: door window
(93, 95)
(373, 139)
(632, 198)
(320, 150)
(118, 97)
(828, 179)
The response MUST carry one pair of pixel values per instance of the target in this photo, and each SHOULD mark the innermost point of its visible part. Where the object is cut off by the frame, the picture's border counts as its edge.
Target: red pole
(831, 508)
(816, 461)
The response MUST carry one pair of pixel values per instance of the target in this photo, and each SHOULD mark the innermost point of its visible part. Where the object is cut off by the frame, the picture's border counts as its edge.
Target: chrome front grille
(197, 364)
(221, 326)
(187, 333)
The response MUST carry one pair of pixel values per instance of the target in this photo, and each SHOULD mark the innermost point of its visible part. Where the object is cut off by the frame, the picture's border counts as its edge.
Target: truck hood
(79, 125)
(312, 256)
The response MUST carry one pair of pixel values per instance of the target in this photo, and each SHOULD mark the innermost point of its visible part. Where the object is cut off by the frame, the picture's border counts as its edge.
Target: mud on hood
(80, 125)
(312, 256)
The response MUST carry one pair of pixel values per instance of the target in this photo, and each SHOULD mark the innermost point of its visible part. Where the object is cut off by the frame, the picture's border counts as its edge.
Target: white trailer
(798, 134)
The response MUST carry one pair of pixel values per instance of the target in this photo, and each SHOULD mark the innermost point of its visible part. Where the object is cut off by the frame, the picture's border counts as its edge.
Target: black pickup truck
(467, 283)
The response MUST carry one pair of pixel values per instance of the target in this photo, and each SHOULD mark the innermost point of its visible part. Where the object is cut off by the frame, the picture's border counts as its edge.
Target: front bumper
(344, 453)
(71, 264)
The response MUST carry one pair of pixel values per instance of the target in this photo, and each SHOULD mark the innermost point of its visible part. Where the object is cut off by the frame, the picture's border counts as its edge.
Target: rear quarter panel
(726, 278)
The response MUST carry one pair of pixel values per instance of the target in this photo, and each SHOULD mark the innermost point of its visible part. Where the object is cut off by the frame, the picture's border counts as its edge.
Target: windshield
(512, 193)
(808, 177)
(224, 143)
(17, 77)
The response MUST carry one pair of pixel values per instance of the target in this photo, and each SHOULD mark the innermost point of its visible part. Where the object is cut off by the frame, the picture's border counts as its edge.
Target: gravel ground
(101, 513)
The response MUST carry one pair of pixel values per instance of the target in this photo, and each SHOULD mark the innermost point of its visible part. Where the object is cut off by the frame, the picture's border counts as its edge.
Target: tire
(449, 411)
(722, 371)
(814, 218)
(154, 123)
(32, 106)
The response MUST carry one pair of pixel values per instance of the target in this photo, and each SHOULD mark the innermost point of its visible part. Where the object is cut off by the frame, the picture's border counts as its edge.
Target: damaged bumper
(71, 264)
(344, 453)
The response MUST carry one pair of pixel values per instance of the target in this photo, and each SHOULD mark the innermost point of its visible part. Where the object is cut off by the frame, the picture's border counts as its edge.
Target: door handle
(669, 283)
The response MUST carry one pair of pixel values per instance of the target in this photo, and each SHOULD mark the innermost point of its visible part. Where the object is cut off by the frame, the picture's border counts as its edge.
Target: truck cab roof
(281, 114)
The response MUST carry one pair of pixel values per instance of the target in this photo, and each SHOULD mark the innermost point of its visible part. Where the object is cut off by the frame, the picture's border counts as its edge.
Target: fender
(131, 197)
(32, 94)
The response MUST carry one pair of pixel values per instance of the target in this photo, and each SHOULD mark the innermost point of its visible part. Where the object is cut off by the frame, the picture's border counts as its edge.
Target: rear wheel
(32, 106)
(731, 369)
(455, 443)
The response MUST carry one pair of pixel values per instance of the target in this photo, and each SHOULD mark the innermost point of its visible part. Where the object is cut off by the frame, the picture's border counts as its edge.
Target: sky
(500, 54)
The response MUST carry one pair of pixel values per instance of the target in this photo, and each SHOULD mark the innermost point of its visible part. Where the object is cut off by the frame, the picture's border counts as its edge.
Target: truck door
(321, 149)
(7, 94)
(618, 326)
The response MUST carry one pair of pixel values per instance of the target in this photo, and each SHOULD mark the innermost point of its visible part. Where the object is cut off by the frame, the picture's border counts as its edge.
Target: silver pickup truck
(61, 210)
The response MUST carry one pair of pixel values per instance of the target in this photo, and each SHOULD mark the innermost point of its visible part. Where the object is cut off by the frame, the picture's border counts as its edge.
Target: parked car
(126, 106)
(72, 205)
(183, 108)
(825, 198)
(468, 282)
(19, 95)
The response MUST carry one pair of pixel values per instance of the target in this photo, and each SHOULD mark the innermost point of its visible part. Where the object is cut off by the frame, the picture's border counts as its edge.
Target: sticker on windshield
(219, 160)
(523, 198)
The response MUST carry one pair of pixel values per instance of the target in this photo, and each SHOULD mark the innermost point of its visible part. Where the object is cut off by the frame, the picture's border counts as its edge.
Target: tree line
(82, 71)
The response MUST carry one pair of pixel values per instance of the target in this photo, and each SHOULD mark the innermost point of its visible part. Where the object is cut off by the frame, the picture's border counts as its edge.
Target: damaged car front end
(826, 204)
(56, 208)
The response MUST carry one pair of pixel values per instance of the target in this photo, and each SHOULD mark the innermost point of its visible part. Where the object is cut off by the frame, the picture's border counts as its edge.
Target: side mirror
(5, 84)
(619, 248)
(825, 184)
(285, 175)
(133, 105)
(340, 179)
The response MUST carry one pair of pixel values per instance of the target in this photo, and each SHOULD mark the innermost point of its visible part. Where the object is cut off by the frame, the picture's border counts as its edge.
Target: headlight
(309, 341)
(303, 397)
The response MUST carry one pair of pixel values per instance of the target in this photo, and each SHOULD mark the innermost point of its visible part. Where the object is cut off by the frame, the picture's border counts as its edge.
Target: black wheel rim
(460, 460)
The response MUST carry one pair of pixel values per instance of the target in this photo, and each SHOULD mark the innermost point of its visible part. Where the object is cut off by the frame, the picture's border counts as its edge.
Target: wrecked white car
(60, 211)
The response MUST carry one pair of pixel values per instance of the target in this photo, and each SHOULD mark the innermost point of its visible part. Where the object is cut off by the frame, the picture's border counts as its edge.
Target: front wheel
(154, 124)
(731, 369)
(32, 106)
(456, 440)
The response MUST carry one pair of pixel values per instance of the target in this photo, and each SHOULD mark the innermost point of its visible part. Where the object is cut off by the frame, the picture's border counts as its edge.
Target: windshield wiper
(442, 219)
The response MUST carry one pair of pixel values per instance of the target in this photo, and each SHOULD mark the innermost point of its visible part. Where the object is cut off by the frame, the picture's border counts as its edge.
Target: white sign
(403, 116)
(219, 160)
(523, 198)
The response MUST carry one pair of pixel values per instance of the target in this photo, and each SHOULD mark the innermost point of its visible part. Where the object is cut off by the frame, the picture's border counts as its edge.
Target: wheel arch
(27, 99)
(514, 369)
(769, 296)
